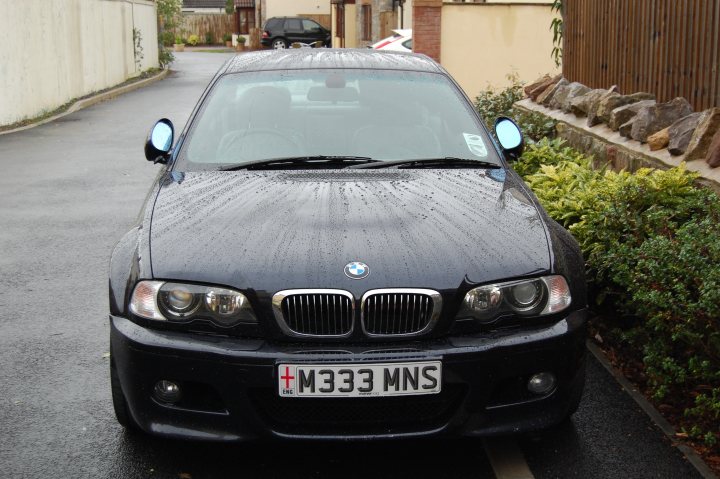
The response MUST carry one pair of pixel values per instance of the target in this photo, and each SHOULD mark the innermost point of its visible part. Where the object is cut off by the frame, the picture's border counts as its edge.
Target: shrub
(651, 240)
(227, 37)
(209, 38)
(241, 39)
(179, 40)
(492, 104)
(193, 39)
(675, 286)
(165, 57)
(167, 38)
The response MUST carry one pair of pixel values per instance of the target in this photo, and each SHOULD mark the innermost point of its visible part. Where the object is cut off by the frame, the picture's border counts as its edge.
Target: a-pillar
(426, 27)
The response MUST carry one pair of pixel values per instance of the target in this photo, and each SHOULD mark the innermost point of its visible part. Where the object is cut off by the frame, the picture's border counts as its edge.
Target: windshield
(380, 114)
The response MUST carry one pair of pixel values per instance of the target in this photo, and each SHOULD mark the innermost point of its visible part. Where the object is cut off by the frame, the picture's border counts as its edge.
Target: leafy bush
(227, 37)
(209, 38)
(492, 104)
(675, 285)
(535, 126)
(165, 57)
(179, 40)
(167, 38)
(193, 39)
(651, 240)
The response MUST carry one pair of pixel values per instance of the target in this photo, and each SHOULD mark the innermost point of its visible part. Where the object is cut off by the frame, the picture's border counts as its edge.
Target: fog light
(167, 391)
(541, 383)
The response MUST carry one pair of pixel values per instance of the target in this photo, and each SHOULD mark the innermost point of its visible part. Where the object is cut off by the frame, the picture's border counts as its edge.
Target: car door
(313, 31)
(294, 30)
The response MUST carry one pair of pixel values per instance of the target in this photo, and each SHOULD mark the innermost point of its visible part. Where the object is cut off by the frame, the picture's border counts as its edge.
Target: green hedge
(651, 241)
(496, 103)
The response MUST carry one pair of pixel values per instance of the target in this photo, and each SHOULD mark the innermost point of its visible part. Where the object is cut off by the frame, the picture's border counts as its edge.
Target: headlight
(177, 302)
(533, 297)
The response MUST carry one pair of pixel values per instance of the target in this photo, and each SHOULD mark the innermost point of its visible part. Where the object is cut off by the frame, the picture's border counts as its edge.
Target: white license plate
(358, 380)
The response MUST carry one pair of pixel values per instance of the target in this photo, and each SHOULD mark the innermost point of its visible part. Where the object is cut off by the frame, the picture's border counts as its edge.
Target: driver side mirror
(159, 141)
(510, 137)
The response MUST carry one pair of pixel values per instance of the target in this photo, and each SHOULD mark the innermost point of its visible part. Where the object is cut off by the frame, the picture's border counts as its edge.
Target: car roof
(318, 58)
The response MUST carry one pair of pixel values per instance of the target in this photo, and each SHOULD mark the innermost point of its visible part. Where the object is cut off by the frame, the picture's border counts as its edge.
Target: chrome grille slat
(314, 312)
(400, 311)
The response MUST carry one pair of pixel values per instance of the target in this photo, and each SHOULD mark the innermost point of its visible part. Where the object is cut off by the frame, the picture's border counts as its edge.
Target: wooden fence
(217, 24)
(322, 19)
(669, 48)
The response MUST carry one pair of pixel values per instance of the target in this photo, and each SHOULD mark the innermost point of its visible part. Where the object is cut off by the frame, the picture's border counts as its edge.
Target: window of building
(367, 22)
(247, 20)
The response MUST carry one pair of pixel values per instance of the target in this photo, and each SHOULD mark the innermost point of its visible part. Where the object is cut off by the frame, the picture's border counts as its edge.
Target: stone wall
(630, 131)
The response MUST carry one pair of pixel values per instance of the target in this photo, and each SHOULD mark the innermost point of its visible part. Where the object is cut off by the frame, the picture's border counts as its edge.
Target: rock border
(610, 147)
(672, 125)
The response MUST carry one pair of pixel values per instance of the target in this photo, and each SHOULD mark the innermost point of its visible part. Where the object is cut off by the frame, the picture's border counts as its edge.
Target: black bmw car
(336, 247)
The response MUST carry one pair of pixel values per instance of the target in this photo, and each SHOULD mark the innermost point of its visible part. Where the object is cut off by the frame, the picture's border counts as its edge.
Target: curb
(95, 99)
(692, 457)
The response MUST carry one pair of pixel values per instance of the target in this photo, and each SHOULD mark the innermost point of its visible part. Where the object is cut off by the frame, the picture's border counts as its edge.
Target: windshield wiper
(314, 161)
(448, 161)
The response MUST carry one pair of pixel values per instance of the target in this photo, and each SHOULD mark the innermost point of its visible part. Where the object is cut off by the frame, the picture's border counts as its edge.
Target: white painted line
(506, 458)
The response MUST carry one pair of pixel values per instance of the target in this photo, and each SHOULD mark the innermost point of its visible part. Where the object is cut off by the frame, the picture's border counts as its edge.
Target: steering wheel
(236, 146)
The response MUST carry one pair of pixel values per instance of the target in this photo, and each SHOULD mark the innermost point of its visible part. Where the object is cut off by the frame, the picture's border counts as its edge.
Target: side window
(293, 25)
(310, 26)
(408, 44)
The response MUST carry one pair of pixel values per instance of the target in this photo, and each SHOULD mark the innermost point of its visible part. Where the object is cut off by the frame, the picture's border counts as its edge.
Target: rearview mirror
(159, 141)
(509, 136)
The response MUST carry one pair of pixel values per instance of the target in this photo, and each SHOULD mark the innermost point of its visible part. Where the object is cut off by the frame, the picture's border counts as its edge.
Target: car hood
(273, 230)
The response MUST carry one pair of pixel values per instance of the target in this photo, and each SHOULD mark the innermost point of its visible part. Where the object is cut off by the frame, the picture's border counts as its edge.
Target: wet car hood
(273, 230)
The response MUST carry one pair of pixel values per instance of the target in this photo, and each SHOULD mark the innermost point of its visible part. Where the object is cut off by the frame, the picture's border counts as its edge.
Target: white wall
(53, 51)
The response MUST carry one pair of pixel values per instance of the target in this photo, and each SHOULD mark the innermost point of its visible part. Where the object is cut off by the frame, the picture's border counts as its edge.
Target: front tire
(279, 44)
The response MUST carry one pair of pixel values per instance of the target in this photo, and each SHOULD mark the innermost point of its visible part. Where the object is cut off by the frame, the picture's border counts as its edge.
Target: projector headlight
(532, 297)
(182, 303)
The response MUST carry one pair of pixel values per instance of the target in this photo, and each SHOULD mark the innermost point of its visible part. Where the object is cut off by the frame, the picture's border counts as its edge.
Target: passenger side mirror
(510, 137)
(159, 141)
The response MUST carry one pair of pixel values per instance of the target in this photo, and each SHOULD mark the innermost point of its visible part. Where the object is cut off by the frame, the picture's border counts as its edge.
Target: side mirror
(159, 141)
(510, 137)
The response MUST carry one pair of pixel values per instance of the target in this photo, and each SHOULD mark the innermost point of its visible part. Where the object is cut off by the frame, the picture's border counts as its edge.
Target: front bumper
(231, 391)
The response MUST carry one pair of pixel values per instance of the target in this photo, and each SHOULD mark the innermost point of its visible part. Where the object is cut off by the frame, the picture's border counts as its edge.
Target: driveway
(69, 190)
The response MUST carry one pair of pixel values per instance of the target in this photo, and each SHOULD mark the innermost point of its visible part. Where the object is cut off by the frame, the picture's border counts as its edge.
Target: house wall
(484, 42)
(289, 8)
(58, 50)
(350, 27)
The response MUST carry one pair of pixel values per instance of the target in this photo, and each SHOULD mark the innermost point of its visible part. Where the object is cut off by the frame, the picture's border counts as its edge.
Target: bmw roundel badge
(356, 270)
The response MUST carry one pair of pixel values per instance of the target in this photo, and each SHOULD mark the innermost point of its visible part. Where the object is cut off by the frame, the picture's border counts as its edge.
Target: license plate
(358, 380)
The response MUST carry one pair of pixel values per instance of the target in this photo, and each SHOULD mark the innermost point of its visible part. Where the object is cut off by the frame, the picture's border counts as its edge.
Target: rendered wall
(350, 27)
(58, 50)
(289, 8)
(483, 42)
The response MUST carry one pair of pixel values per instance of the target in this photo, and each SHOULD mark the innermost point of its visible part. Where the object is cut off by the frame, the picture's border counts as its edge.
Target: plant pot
(240, 47)
(179, 47)
(228, 43)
